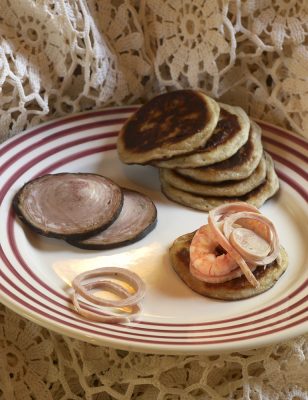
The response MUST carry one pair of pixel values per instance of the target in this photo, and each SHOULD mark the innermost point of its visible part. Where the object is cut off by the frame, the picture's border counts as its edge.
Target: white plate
(35, 271)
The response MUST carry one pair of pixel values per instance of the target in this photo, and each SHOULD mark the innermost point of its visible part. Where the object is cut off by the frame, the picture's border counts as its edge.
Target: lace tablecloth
(67, 56)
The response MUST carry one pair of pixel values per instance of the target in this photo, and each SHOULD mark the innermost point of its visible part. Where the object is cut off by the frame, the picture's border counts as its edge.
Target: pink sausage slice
(69, 205)
(137, 218)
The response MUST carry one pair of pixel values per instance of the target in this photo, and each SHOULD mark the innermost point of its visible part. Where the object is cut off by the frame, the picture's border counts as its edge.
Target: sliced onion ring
(249, 244)
(107, 316)
(215, 216)
(273, 239)
(114, 272)
(225, 209)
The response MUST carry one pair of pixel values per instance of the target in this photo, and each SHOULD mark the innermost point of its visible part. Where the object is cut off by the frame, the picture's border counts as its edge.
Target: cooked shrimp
(205, 258)
(214, 216)
(247, 239)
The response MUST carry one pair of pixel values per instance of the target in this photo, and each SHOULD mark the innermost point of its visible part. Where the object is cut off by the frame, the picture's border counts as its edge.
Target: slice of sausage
(69, 205)
(137, 218)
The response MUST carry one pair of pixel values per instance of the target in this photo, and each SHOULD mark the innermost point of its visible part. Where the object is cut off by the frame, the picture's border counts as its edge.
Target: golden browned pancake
(235, 289)
(226, 188)
(239, 166)
(231, 132)
(205, 203)
(170, 124)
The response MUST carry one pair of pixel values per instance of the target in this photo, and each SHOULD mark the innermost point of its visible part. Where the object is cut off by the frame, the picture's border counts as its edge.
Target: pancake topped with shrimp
(236, 255)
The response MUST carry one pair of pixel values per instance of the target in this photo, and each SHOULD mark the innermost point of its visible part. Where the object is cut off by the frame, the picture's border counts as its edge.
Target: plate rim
(127, 346)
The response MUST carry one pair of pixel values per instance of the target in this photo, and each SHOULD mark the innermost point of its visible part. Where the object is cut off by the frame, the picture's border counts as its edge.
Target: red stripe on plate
(291, 150)
(284, 134)
(29, 133)
(141, 340)
(108, 327)
(290, 165)
(67, 299)
(24, 265)
(53, 151)
(90, 151)
(291, 182)
(61, 134)
(60, 162)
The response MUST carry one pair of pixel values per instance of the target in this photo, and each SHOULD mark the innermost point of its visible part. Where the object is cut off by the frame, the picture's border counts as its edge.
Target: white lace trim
(38, 364)
(67, 56)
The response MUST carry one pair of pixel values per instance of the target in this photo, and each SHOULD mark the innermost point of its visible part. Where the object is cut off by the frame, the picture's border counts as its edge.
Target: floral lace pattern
(38, 364)
(68, 56)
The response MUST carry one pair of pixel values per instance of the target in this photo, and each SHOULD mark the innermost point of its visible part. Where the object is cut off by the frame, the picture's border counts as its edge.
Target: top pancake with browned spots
(168, 118)
(170, 124)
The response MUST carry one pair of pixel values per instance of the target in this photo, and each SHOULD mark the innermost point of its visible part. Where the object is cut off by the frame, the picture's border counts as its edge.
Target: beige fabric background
(65, 56)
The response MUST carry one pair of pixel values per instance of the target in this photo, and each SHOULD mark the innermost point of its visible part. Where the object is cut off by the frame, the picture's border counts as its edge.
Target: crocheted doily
(59, 57)
(38, 364)
(65, 56)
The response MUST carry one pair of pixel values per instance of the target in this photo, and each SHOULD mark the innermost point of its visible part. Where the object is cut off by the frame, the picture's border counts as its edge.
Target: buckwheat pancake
(238, 167)
(226, 188)
(256, 197)
(235, 289)
(231, 133)
(168, 125)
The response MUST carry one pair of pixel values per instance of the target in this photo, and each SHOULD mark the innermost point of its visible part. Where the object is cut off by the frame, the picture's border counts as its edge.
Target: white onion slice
(230, 208)
(114, 272)
(246, 235)
(83, 289)
(106, 316)
(249, 244)
(250, 256)
(214, 216)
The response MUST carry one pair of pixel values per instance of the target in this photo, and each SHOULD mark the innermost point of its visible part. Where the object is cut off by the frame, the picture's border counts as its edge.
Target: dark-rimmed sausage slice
(69, 205)
(137, 218)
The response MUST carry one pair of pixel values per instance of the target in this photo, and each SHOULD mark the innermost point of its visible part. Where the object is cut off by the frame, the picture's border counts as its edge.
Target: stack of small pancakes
(208, 153)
